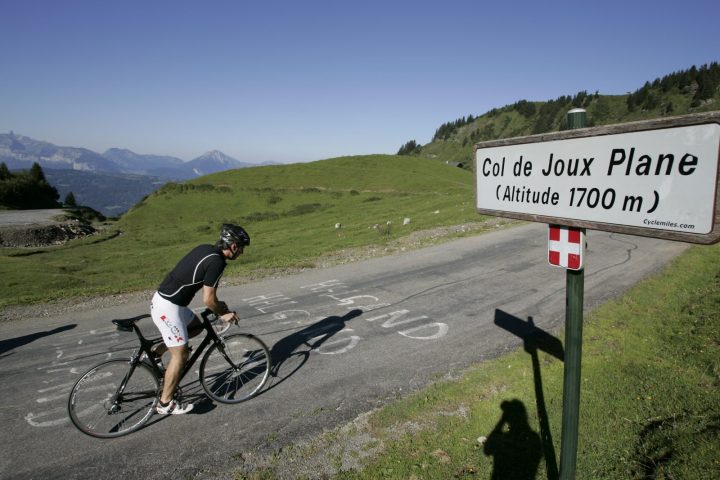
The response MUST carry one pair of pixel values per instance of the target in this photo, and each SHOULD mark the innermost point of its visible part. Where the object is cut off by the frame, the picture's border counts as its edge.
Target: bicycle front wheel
(113, 399)
(235, 369)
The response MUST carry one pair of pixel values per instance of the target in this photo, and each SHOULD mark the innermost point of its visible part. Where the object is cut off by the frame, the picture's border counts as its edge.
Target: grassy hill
(291, 212)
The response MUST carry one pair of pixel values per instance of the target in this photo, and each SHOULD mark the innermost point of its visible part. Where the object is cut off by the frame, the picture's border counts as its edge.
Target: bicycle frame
(210, 337)
(146, 345)
(121, 388)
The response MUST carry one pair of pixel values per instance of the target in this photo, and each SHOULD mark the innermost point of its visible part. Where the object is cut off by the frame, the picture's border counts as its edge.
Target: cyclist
(199, 269)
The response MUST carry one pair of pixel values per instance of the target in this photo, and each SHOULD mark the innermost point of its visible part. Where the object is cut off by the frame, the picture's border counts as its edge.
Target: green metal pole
(575, 293)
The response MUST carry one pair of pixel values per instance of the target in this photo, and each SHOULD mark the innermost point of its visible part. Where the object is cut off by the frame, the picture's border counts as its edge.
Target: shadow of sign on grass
(534, 340)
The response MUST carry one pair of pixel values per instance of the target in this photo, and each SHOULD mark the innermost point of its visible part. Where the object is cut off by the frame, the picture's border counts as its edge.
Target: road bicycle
(119, 396)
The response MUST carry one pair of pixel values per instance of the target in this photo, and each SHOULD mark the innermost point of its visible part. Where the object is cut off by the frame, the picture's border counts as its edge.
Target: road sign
(566, 247)
(655, 178)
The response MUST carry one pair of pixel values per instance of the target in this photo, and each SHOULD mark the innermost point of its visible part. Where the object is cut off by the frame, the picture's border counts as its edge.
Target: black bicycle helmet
(234, 234)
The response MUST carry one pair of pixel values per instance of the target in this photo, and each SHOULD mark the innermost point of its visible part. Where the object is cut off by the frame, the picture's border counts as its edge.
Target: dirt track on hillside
(13, 218)
(39, 228)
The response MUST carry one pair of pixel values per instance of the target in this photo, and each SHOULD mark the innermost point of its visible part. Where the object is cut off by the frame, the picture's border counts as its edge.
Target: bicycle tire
(93, 408)
(241, 375)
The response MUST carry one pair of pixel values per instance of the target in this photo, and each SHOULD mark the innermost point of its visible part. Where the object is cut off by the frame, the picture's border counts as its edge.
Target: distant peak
(217, 156)
(214, 154)
(119, 150)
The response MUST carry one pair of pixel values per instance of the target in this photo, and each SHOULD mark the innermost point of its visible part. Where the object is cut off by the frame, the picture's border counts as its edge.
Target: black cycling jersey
(204, 265)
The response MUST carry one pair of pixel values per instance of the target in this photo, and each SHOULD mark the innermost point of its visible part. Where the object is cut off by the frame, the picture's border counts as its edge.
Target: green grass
(650, 398)
(289, 210)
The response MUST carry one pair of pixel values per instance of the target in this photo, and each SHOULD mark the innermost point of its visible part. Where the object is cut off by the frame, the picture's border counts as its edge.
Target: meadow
(291, 212)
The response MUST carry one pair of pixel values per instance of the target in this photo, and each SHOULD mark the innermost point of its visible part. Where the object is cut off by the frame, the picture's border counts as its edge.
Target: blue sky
(305, 80)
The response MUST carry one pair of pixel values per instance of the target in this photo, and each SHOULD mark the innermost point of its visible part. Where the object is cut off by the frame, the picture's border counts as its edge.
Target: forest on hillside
(696, 89)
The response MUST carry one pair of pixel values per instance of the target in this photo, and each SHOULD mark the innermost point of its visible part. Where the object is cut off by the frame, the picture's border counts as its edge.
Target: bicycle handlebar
(208, 315)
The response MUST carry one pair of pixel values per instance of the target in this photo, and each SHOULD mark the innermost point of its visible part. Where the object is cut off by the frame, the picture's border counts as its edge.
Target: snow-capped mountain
(214, 161)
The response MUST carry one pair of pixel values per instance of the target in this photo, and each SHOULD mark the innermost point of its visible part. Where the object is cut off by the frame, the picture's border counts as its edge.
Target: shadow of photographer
(515, 447)
(534, 340)
(311, 337)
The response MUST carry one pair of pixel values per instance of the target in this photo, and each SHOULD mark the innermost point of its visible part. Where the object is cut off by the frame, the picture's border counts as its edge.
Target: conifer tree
(410, 148)
(70, 200)
(36, 173)
(4, 172)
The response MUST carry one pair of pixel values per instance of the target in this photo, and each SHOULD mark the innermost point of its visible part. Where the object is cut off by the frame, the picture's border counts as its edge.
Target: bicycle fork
(221, 349)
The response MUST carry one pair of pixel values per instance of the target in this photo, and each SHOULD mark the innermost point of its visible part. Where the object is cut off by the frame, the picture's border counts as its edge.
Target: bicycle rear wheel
(113, 399)
(235, 369)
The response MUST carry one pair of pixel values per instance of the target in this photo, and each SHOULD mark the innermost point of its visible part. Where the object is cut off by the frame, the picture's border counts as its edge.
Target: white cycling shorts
(172, 320)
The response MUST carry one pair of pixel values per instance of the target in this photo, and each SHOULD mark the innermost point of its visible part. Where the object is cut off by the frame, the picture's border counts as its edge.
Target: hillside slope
(291, 211)
(690, 91)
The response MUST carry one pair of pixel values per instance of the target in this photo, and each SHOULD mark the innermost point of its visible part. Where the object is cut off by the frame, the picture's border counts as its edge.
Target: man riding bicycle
(199, 269)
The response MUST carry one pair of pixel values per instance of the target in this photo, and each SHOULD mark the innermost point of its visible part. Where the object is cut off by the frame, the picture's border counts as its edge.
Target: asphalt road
(422, 314)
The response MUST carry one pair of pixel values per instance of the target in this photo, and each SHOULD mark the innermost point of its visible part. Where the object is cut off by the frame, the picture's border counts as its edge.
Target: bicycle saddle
(126, 324)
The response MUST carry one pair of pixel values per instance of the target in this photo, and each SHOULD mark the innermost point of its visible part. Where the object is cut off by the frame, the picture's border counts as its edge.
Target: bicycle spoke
(101, 414)
(227, 383)
(98, 407)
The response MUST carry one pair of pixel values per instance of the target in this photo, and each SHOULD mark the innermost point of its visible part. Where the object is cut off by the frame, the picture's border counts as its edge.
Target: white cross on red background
(565, 247)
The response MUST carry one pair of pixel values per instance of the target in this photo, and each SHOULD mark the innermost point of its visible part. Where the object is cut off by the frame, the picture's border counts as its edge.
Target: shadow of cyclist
(13, 343)
(311, 337)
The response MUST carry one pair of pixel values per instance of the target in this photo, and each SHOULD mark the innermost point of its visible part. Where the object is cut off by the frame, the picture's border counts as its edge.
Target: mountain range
(20, 152)
(111, 182)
